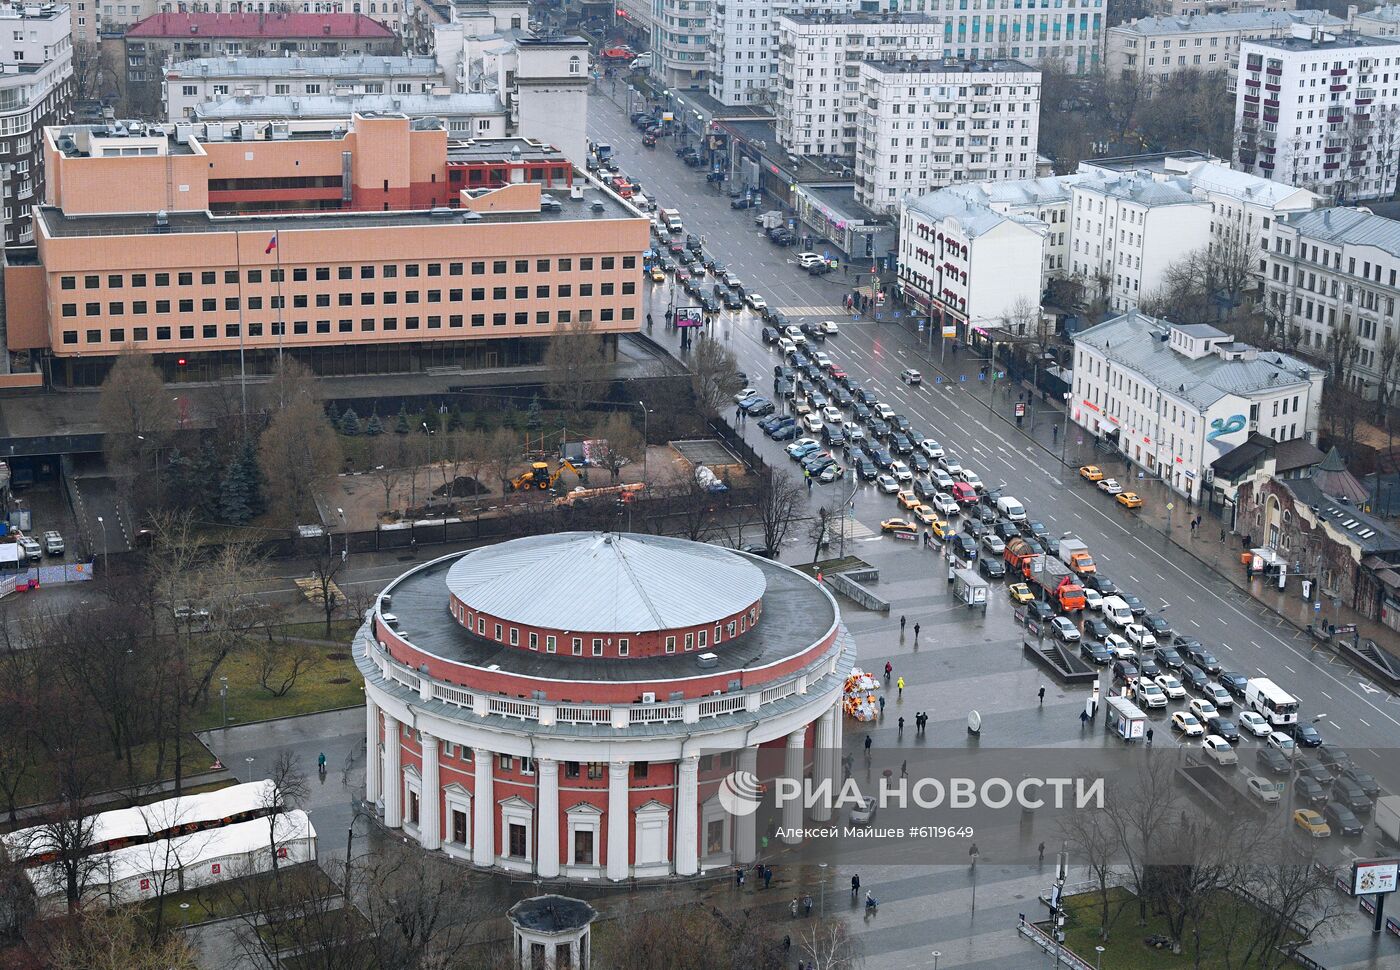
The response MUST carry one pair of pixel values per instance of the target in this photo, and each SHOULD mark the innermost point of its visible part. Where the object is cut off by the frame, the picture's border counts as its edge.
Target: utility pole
(1057, 918)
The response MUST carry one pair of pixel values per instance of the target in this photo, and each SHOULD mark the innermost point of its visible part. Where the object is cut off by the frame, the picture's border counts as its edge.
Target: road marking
(1130, 576)
(1223, 620)
(1364, 721)
(1194, 623)
(1190, 597)
(1231, 649)
(1325, 694)
(1255, 644)
(1290, 669)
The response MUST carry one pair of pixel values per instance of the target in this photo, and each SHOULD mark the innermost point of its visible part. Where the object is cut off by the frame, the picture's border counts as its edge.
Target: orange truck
(1075, 554)
(1055, 584)
(1019, 552)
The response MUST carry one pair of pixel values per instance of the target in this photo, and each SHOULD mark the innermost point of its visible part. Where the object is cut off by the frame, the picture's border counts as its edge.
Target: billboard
(689, 316)
(1374, 876)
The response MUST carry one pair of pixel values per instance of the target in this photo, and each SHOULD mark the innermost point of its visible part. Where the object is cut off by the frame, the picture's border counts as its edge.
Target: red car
(620, 53)
(964, 494)
(837, 373)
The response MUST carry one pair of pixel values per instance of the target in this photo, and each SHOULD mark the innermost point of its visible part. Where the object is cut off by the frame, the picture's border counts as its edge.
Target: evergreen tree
(235, 492)
(454, 419)
(372, 427)
(332, 415)
(252, 471)
(401, 426)
(430, 422)
(349, 423)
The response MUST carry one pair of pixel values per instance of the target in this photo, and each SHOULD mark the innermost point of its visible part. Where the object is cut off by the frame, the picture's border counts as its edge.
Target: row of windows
(117, 308)
(210, 331)
(501, 634)
(596, 770)
(388, 271)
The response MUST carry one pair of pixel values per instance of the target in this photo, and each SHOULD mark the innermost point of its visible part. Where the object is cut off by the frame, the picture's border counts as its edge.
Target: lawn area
(214, 902)
(1125, 949)
(332, 684)
(341, 630)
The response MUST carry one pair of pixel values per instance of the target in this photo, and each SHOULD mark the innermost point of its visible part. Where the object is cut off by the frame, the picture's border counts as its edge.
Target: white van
(1117, 612)
(642, 62)
(1011, 508)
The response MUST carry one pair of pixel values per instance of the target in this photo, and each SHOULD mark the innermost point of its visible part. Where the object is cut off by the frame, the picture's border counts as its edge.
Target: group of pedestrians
(761, 871)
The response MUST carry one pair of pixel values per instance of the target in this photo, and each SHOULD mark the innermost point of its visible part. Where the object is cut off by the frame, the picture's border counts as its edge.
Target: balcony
(1339, 72)
(1251, 99)
(1251, 82)
(1331, 166)
(1267, 166)
(1332, 151)
(1339, 87)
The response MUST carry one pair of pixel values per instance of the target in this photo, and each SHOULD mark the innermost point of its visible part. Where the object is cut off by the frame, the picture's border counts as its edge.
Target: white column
(484, 809)
(792, 810)
(374, 764)
(548, 853)
(393, 775)
(688, 817)
(838, 736)
(619, 859)
(746, 826)
(430, 798)
(821, 765)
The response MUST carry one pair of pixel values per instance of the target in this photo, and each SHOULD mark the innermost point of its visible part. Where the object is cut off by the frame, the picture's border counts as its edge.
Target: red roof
(269, 25)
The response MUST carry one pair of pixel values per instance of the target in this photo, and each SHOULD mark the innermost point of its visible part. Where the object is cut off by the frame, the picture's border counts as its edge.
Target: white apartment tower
(36, 91)
(927, 124)
(1320, 111)
(681, 41)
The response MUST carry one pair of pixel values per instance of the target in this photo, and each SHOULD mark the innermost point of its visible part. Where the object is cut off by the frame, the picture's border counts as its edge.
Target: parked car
(1225, 728)
(53, 543)
(1219, 750)
(1095, 653)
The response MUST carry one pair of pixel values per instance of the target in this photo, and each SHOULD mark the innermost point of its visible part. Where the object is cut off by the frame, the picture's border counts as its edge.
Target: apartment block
(193, 82)
(1320, 111)
(106, 18)
(463, 115)
(1335, 270)
(1382, 21)
(36, 89)
(925, 124)
(818, 67)
(374, 245)
(1155, 48)
(681, 40)
(1195, 8)
(151, 45)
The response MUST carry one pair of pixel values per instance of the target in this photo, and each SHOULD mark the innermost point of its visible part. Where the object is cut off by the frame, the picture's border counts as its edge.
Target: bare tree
(779, 501)
(624, 443)
(714, 376)
(115, 939)
(138, 419)
(287, 788)
(820, 531)
(502, 452)
(576, 365)
(298, 451)
(828, 944)
(280, 663)
(389, 458)
(326, 564)
(21, 714)
(1387, 356)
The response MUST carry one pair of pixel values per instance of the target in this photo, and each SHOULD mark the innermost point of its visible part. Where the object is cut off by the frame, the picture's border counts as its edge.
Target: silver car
(863, 814)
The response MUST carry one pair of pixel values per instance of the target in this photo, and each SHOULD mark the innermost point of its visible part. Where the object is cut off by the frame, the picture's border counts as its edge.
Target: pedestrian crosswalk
(812, 311)
(853, 529)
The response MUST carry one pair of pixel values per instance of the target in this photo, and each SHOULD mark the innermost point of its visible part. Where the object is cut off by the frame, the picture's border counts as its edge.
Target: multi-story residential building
(818, 66)
(1175, 398)
(111, 18)
(1320, 111)
(36, 89)
(150, 46)
(418, 251)
(966, 265)
(746, 37)
(1197, 8)
(680, 43)
(1332, 274)
(1155, 48)
(926, 124)
(190, 83)
(1382, 21)
(463, 115)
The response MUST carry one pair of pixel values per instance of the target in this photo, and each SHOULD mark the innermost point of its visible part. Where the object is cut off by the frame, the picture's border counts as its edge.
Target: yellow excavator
(539, 476)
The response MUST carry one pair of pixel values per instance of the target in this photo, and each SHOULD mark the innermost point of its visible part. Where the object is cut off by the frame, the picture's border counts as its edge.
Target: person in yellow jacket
(900, 685)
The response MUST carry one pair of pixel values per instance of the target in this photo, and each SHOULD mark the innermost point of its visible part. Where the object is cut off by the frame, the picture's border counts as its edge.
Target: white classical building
(570, 704)
(1152, 49)
(1320, 111)
(926, 124)
(1175, 398)
(1333, 270)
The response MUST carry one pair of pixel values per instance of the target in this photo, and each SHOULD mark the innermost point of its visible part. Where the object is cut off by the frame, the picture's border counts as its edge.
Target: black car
(1148, 666)
(902, 423)
(1224, 727)
(813, 332)
(1102, 583)
(866, 396)
(1235, 682)
(1134, 604)
(859, 412)
(732, 300)
(1040, 611)
(1159, 626)
(1194, 677)
(991, 568)
(878, 428)
(1317, 772)
(841, 397)
(1095, 653)
(1124, 670)
(1364, 779)
(769, 335)
(919, 462)
(710, 304)
(1096, 627)
(975, 529)
(785, 433)
(901, 443)
(1203, 658)
(1336, 760)
(963, 547)
(881, 457)
(782, 388)
(866, 469)
(819, 269)
(1169, 658)
(1342, 820)
(1034, 529)
(1304, 734)
(1272, 760)
(1052, 546)
(1352, 795)
(985, 515)
(1006, 530)
(1308, 790)
(770, 424)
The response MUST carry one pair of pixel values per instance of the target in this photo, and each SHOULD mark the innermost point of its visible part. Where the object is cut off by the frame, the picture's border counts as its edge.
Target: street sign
(1020, 410)
(1170, 506)
(950, 330)
(921, 326)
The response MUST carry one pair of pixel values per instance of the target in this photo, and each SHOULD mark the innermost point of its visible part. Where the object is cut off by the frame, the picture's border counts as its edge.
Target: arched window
(574, 65)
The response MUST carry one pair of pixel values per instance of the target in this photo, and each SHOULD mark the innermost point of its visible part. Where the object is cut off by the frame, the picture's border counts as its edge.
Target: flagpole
(281, 321)
(242, 369)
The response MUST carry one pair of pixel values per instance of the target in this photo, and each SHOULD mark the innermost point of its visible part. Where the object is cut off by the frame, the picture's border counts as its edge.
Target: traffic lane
(1359, 718)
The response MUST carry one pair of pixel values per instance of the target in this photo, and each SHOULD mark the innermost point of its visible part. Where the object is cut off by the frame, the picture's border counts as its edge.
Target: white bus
(1271, 702)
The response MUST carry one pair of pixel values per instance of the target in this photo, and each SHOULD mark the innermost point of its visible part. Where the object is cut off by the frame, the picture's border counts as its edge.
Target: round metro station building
(568, 705)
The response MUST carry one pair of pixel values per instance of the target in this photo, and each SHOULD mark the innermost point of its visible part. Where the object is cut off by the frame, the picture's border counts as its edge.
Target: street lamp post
(223, 696)
(645, 424)
(822, 910)
(104, 543)
(1098, 957)
(249, 762)
(935, 954)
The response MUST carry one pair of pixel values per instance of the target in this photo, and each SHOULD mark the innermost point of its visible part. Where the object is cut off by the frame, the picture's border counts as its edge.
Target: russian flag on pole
(271, 244)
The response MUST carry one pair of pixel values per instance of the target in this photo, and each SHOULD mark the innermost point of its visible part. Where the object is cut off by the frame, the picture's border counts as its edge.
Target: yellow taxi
(1091, 473)
(1130, 500)
(908, 500)
(925, 514)
(657, 275)
(1312, 823)
(940, 529)
(898, 525)
(1020, 593)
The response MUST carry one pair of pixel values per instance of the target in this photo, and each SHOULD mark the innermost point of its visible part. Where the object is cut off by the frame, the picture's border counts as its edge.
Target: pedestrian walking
(792, 908)
(807, 905)
(1042, 696)
(767, 876)
(901, 726)
(1222, 535)
(1041, 850)
(739, 878)
(1149, 737)
(902, 621)
(904, 768)
(1084, 718)
(855, 886)
(916, 633)
(868, 742)
(889, 669)
(882, 705)
(900, 685)
(1054, 434)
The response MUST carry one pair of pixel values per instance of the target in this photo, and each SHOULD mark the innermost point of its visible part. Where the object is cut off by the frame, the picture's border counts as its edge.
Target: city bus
(1271, 702)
